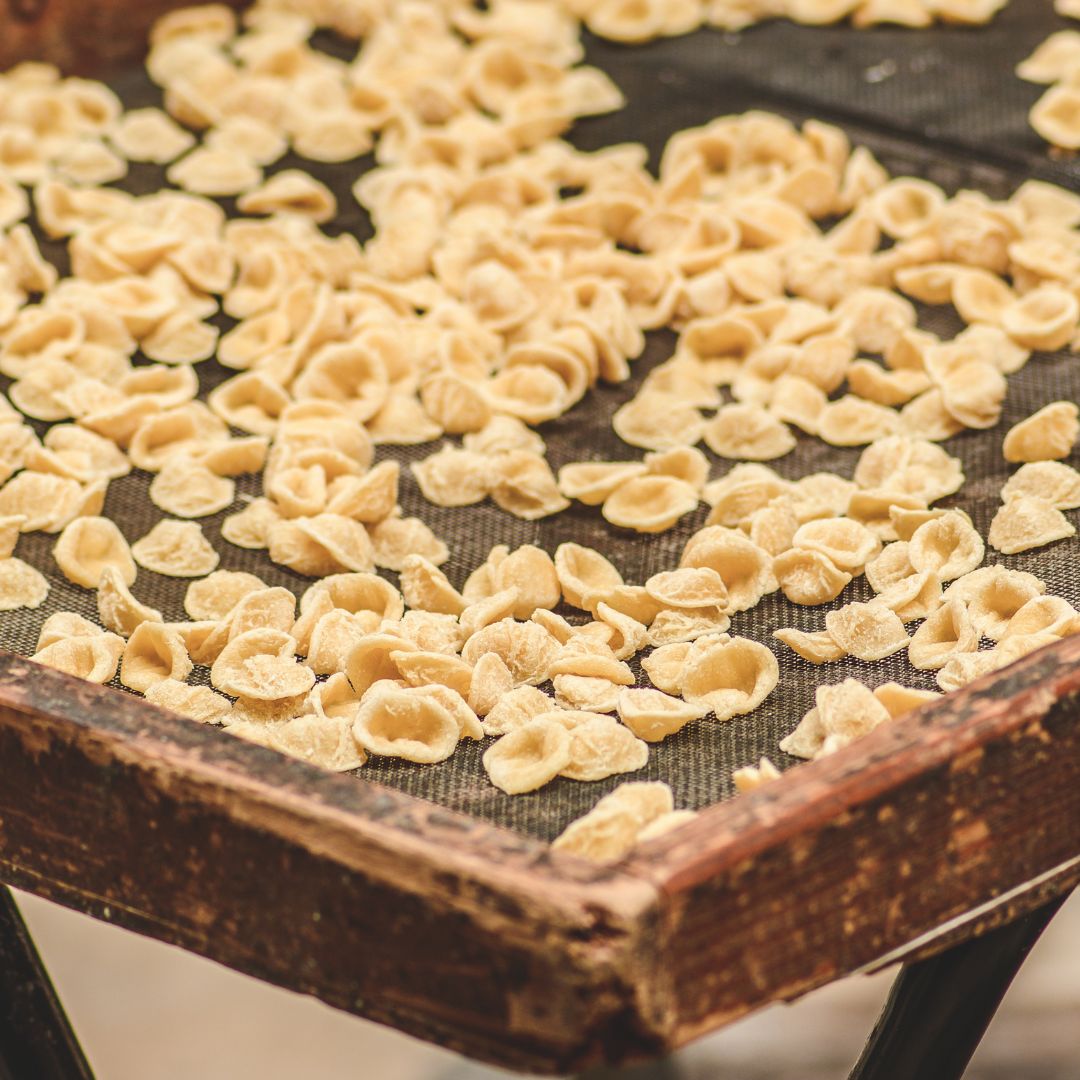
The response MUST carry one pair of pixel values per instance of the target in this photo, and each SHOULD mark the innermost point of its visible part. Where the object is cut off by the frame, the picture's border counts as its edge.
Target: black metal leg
(36, 1040)
(939, 1009)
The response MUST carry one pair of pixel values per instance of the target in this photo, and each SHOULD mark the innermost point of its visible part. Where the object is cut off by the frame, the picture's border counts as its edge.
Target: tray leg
(36, 1039)
(939, 1009)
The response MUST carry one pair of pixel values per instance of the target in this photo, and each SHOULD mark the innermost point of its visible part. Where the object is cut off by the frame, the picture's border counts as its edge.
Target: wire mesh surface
(942, 104)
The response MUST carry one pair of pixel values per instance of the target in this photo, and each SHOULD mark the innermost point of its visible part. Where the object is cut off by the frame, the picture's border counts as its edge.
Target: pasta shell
(416, 727)
(1049, 434)
(612, 828)
(529, 757)
(90, 544)
(948, 632)
(1026, 522)
(93, 657)
(153, 652)
(731, 678)
(867, 631)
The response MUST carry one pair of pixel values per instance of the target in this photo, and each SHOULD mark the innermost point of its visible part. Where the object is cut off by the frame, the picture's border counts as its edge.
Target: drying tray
(424, 898)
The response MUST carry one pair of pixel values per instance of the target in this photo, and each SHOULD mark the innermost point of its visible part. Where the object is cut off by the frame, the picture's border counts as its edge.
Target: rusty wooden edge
(565, 947)
(919, 822)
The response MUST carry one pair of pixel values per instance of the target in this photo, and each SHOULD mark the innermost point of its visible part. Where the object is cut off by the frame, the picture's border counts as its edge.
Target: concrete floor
(146, 1011)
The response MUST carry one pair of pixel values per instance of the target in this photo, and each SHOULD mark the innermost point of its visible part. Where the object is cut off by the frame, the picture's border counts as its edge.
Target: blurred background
(146, 1011)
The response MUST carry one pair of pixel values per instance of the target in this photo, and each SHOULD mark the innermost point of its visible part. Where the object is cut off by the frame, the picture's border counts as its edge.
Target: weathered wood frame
(928, 831)
(486, 942)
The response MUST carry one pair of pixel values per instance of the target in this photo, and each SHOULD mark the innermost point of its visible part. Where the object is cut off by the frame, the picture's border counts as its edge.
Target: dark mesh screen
(941, 104)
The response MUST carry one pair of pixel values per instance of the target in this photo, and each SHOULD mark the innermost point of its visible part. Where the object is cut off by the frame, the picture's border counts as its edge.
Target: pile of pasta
(507, 275)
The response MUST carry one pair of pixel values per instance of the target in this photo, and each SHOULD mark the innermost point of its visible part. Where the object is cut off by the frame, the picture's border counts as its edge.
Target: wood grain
(377, 903)
(81, 37)
(853, 856)
(486, 942)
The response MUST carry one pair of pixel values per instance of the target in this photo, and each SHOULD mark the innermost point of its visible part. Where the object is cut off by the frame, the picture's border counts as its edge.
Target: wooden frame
(490, 944)
(930, 830)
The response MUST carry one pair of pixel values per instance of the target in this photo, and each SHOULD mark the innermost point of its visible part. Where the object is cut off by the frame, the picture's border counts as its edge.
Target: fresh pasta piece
(90, 544)
(531, 571)
(948, 632)
(453, 477)
(214, 596)
(748, 432)
(653, 715)
(193, 702)
(751, 777)
(1047, 435)
(92, 657)
(867, 631)
(395, 539)
(585, 693)
(397, 723)
(688, 587)
(611, 829)
(592, 482)
(731, 677)
(291, 191)
(847, 544)
(601, 747)
(583, 573)
(189, 490)
(656, 421)
(150, 135)
(530, 756)
(809, 577)
(745, 568)
(817, 648)
(1043, 615)
(118, 610)
(21, 586)
(1026, 522)
(153, 652)
(176, 549)
(993, 595)
(948, 546)
(650, 504)
(260, 664)
(1052, 481)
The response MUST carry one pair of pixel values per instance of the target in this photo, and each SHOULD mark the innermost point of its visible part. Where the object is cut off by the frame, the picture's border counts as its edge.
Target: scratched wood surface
(487, 942)
(463, 934)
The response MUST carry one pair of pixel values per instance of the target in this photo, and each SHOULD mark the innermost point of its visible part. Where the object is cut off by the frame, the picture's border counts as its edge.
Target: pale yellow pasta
(653, 715)
(453, 477)
(526, 487)
(152, 653)
(214, 172)
(748, 432)
(592, 482)
(118, 610)
(529, 757)
(948, 632)
(91, 657)
(867, 631)
(585, 693)
(1026, 522)
(290, 191)
(688, 587)
(745, 568)
(150, 135)
(260, 664)
(10, 527)
(176, 549)
(809, 577)
(848, 544)
(658, 422)
(612, 828)
(21, 586)
(394, 539)
(751, 777)
(1041, 615)
(650, 504)
(190, 490)
(416, 727)
(948, 546)
(730, 678)
(583, 573)
(1054, 116)
(817, 648)
(1053, 481)
(852, 421)
(1046, 435)
(193, 702)
(90, 544)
